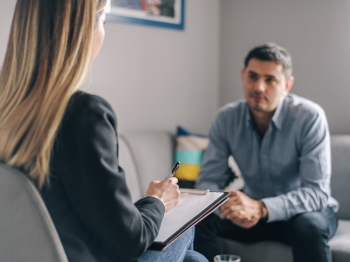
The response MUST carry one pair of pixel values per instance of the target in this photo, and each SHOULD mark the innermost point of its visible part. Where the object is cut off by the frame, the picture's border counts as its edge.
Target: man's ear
(242, 73)
(289, 85)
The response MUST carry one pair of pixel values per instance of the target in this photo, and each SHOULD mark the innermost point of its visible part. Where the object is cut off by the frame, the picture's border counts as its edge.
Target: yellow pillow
(189, 152)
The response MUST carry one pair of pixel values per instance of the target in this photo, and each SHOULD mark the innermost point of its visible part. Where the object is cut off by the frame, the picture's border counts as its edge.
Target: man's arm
(214, 173)
(314, 170)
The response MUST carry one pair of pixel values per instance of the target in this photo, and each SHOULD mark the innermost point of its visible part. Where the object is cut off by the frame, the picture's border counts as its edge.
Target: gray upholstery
(262, 251)
(340, 183)
(26, 230)
(340, 243)
(132, 177)
(152, 154)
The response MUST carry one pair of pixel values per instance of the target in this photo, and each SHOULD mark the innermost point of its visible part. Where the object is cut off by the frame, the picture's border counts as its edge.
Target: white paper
(188, 207)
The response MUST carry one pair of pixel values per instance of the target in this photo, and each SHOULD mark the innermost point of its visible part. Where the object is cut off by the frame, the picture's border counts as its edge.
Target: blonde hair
(47, 57)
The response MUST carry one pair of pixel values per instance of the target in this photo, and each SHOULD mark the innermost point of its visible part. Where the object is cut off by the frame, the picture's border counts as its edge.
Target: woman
(66, 140)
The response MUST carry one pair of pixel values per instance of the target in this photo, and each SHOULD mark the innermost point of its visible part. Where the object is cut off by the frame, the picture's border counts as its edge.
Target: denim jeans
(308, 234)
(180, 250)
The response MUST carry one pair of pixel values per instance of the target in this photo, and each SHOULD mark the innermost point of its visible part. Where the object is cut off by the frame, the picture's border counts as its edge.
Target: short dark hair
(271, 52)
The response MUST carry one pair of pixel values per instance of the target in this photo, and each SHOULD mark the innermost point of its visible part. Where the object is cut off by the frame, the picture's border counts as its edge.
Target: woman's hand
(166, 191)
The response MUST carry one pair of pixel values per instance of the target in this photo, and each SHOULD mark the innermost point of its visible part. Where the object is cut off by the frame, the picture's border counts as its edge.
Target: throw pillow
(189, 152)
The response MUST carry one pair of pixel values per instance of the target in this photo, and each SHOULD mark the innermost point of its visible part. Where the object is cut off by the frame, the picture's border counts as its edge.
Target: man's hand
(242, 210)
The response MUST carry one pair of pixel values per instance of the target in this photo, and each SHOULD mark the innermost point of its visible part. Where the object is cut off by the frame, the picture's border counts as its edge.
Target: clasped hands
(242, 210)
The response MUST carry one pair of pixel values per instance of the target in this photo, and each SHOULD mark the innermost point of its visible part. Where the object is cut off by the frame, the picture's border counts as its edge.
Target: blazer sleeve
(95, 183)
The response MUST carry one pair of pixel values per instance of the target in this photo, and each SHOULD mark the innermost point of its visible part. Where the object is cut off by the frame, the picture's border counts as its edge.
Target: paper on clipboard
(191, 209)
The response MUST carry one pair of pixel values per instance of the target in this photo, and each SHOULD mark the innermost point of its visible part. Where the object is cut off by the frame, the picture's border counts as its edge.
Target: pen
(173, 170)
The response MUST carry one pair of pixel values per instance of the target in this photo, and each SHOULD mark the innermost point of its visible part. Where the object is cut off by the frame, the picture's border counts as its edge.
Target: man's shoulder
(233, 108)
(232, 114)
(300, 105)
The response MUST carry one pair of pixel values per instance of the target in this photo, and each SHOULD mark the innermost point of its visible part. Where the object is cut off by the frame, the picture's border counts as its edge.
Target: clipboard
(193, 206)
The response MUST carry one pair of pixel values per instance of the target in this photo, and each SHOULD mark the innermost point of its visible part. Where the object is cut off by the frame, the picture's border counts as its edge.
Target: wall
(316, 33)
(6, 12)
(155, 78)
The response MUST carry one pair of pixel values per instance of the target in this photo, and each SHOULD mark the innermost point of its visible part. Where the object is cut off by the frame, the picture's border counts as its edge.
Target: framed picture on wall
(161, 13)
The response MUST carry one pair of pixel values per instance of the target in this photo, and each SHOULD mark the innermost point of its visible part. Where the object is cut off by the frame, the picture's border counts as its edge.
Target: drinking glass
(227, 258)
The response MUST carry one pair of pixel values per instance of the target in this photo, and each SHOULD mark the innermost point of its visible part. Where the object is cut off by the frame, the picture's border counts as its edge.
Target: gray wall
(317, 34)
(155, 78)
(6, 12)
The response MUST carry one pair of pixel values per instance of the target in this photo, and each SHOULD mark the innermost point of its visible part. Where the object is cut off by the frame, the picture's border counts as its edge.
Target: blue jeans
(180, 250)
(308, 234)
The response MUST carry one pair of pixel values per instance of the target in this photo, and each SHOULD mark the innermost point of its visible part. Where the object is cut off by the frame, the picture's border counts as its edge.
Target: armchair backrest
(26, 229)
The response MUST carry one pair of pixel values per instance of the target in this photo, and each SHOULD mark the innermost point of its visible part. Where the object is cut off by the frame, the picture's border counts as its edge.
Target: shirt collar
(277, 118)
(249, 119)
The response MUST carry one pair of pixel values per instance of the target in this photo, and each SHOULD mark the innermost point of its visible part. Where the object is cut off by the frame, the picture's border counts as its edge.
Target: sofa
(149, 156)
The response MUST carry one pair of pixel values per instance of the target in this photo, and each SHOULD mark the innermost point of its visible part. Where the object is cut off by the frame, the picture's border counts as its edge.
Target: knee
(190, 233)
(193, 256)
(309, 227)
(189, 238)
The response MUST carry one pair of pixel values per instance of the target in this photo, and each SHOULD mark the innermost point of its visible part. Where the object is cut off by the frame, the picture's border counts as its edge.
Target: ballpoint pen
(173, 170)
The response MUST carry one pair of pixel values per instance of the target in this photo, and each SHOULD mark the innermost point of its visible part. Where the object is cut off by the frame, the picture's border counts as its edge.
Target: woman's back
(87, 196)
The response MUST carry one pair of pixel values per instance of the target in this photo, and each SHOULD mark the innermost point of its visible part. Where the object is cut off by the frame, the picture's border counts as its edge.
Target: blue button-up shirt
(288, 168)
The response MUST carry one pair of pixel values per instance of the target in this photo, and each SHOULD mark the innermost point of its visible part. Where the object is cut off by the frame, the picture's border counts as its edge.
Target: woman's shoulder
(88, 102)
(86, 109)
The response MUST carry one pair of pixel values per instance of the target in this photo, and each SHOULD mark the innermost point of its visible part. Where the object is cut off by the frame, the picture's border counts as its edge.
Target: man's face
(264, 84)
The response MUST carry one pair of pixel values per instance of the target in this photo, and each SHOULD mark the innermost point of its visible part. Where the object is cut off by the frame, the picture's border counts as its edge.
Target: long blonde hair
(47, 57)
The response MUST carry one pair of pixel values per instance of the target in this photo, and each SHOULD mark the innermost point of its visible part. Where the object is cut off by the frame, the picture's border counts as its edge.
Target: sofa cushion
(340, 181)
(340, 243)
(261, 251)
(127, 162)
(153, 155)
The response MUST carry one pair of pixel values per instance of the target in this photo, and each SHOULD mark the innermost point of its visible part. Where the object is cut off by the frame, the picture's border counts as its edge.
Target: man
(281, 144)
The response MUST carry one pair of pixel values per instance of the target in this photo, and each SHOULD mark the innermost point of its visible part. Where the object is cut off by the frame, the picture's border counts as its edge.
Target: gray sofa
(28, 234)
(149, 156)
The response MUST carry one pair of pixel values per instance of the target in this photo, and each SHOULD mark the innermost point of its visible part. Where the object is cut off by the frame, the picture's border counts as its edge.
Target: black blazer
(87, 196)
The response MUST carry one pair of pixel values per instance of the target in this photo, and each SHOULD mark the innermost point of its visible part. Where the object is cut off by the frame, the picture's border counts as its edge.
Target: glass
(226, 258)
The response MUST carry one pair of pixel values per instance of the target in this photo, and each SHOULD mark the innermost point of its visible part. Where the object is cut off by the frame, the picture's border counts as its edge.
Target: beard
(258, 103)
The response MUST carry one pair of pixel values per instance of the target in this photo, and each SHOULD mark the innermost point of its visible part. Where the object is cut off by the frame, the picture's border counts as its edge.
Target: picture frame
(160, 13)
